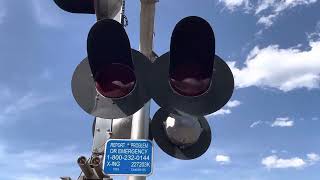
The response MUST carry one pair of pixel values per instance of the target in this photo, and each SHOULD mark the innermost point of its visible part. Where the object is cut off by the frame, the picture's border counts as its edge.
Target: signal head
(190, 77)
(110, 82)
(179, 135)
(110, 59)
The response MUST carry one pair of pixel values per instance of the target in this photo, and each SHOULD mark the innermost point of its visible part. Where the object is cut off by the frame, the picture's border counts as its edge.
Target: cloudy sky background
(268, 131)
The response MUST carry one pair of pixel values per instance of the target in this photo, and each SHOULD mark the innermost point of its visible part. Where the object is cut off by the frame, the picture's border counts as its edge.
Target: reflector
(182, 130)
(115, 80)
(190, 79)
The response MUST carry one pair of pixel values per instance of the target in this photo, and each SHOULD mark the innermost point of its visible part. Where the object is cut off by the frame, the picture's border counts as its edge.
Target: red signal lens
(190, 79)
(115, 80)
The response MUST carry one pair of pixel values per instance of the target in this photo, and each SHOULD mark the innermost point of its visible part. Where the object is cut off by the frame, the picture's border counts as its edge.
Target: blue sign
(128, 157)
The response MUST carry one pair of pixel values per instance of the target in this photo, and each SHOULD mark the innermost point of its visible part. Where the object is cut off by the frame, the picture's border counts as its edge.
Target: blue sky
(268, 131)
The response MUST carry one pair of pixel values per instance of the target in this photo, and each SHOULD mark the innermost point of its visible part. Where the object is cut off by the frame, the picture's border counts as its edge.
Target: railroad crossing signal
(179, 135)
(190, 77)
(110, 83)
(190, 82)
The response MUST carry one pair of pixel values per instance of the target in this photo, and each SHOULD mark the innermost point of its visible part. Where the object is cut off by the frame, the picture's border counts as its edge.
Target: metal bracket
(107, 8)
(102, 132)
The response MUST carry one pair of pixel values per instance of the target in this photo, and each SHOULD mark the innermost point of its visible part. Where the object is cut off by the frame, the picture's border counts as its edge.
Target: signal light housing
(190, 77)
(115, 80)
(192, 52)
(102, 8)
(190, 81)
(110, 82)
(187, 138)
(110, 59)
(76, 6)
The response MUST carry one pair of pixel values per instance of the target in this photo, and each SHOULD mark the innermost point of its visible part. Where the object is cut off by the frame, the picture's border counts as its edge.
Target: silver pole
(147, 15)
(110, 9)
(140, 121)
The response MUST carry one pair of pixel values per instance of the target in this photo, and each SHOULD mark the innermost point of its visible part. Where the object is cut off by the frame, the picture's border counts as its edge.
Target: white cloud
(34, 177)
(37, 160)
(267, 20)
(315, 36)
(277, 7)
(256, 123)
(267, 11)
(45, 13)
(273, 162)
(277, 151)
(318, 26)
(282, 122)
(286, 4)
(313, 157)
(3, 12)
(263, 5)
(274, 151)
(223, 159)
(26, 102)
(227, 109)
(283, 69)
(233, 4)
(34, 164)
(278, 122)
(221, 112)
(15, 107)
(232, 104)
(4, 92)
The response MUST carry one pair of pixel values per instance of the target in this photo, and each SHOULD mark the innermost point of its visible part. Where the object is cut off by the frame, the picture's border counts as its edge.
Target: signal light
(192, 52)
(179, 135)
(190, 82)
(182, 130)
(190, 77)
(110, 83)
(115, 81)
(111, 62)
